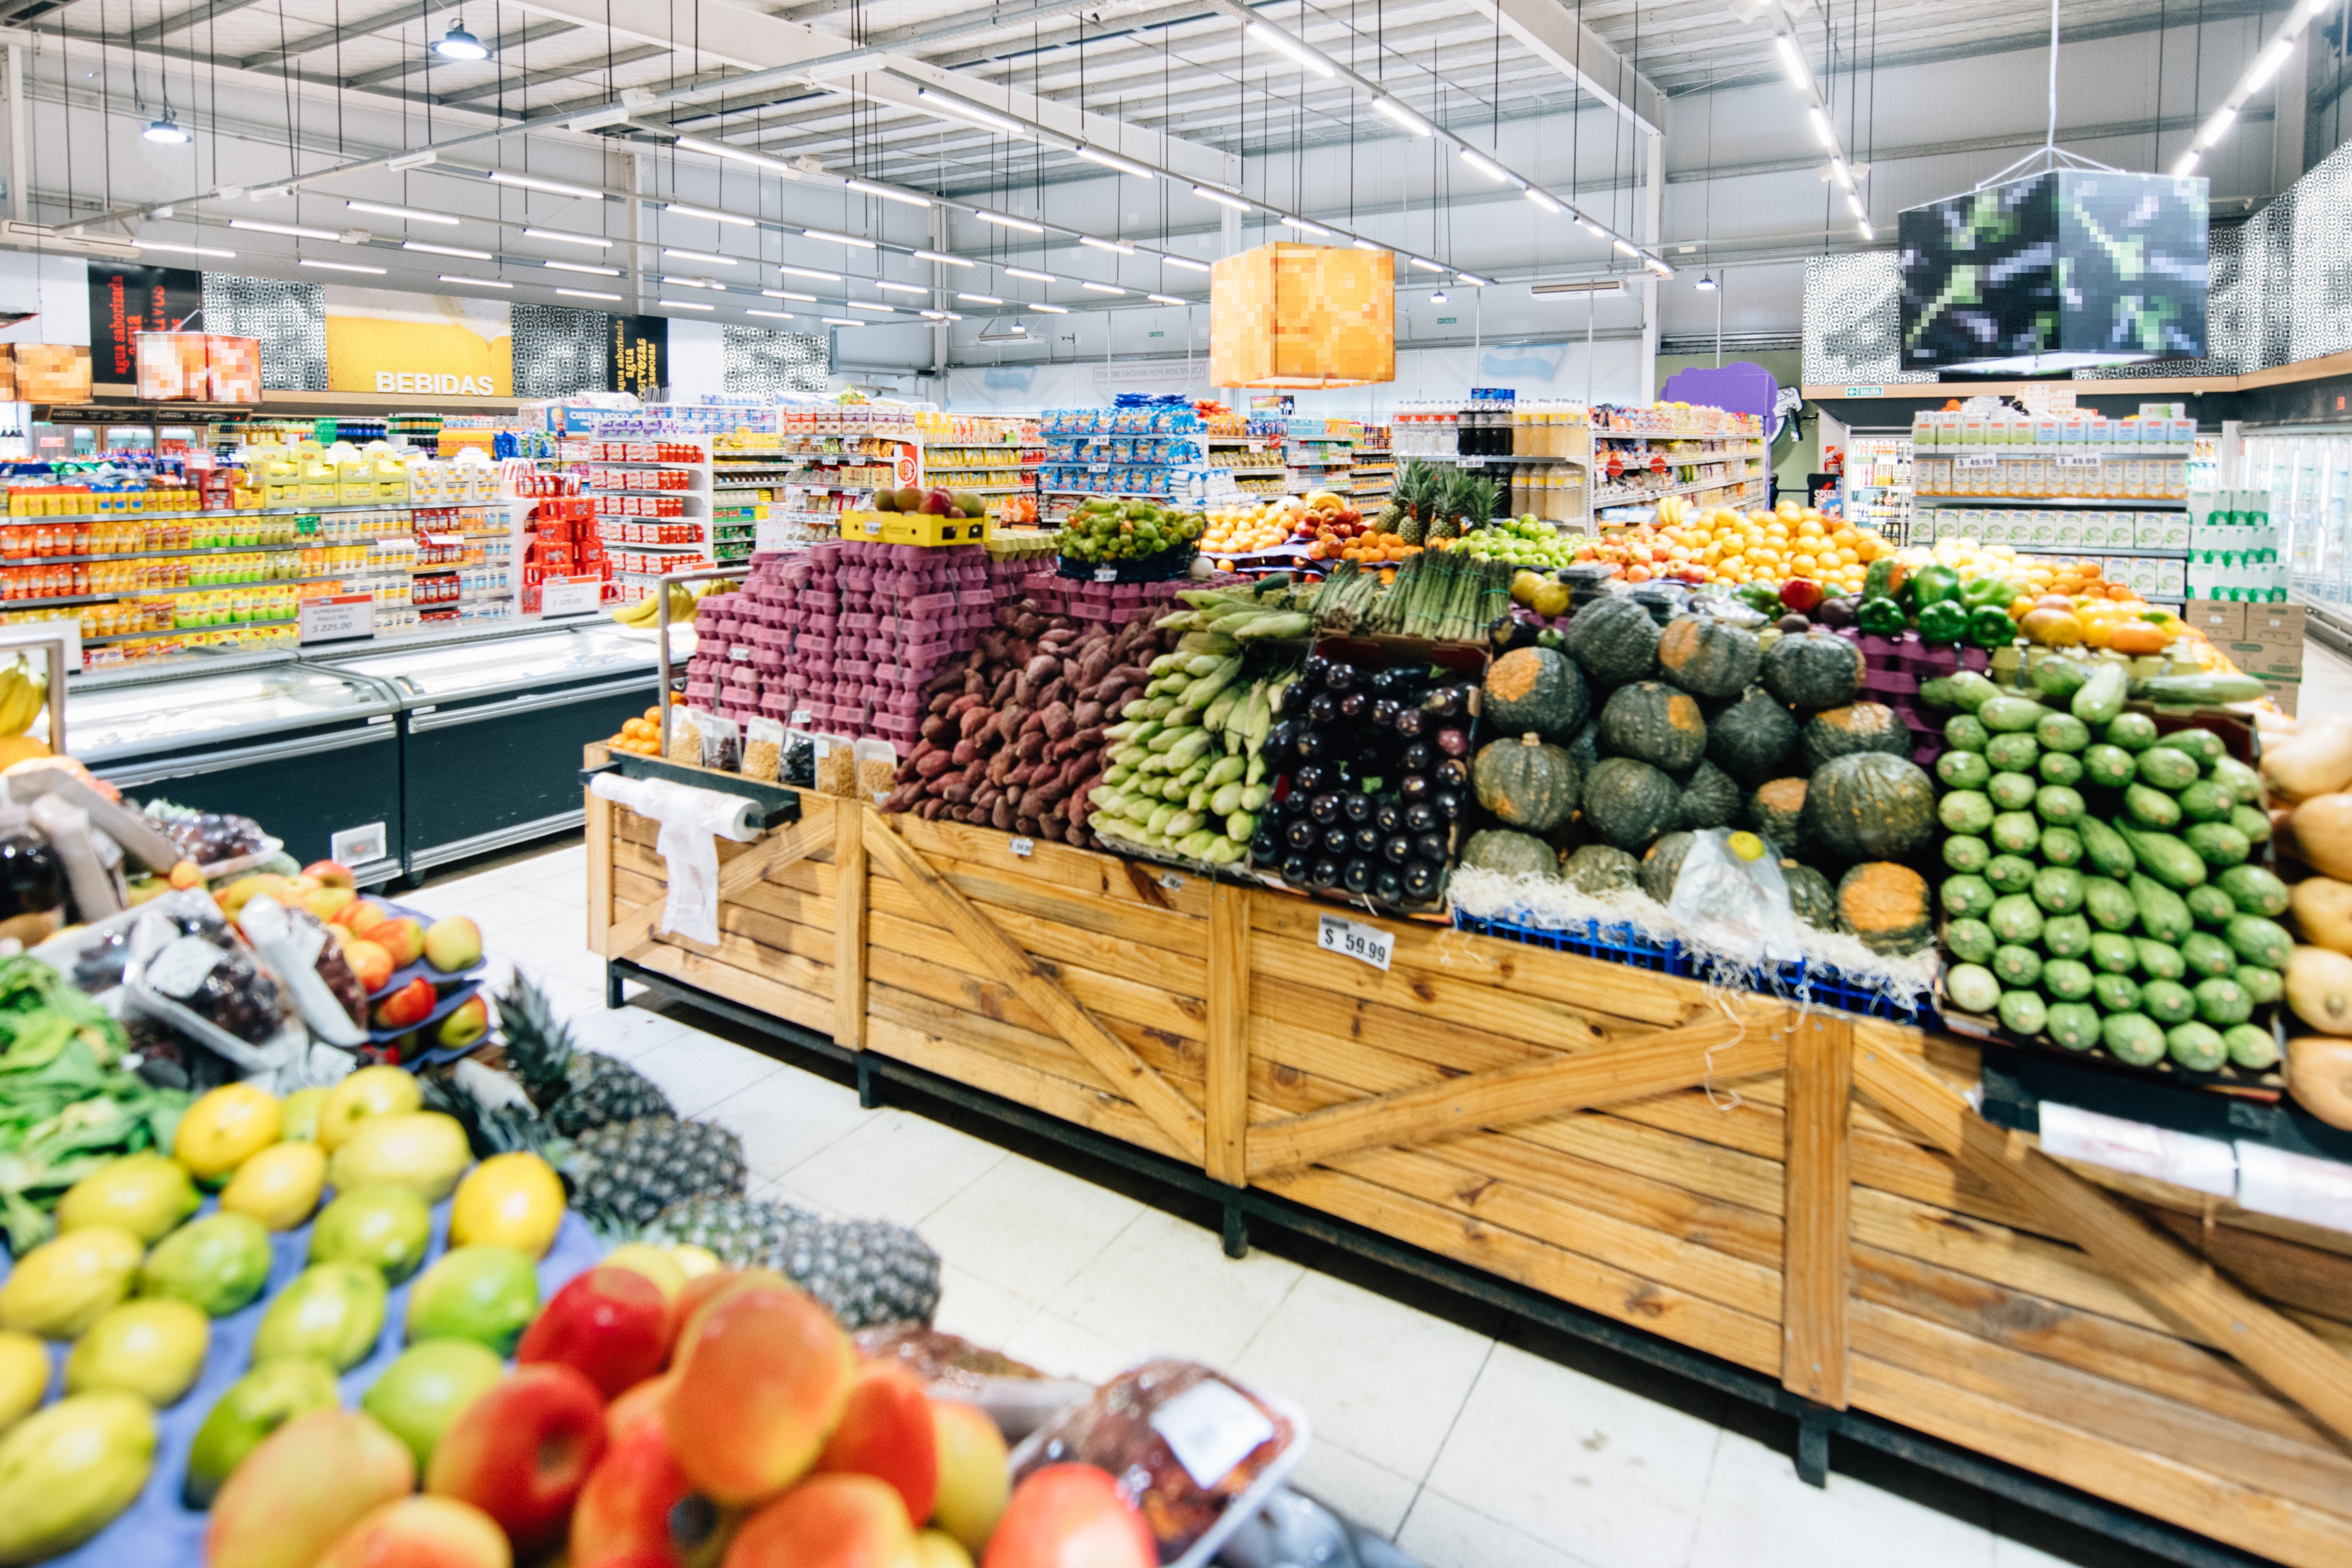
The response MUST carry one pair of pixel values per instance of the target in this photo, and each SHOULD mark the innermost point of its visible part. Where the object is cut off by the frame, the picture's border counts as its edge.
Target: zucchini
(2115, 993)
(2150, 808)
(2108, 765)
(1966, 852)
(2207, 955)
(1968, 688)
(2058, 804)
(2164, 858)
(2012, 753)
(2062, 846)
(2111, 953)
(2161, 912)
(1971, 939)
(2209, 690)
(2168, 1002)
(2058, 891)
(2261, 986)
(2253, 889)
(2195, 1046)
(2218, 844)
(2107, 903)
(2016, 965)
(2062, 732)
(2207, 801)
(1967, 895)
(2158, 960)
(2009, 791)
(2015, 831)
(2015, 918)
(1963, 770)
(2010, 873)
(2022, 1012)
(2254, 821)
(2130, 1037)
(2001, 715)
(2222, 1001)
(1965, 733)
(2251, 1046)
(2101, 698)
(2203, 745)
(2105, 849)
(2258, 941)
(2244, 784)
(2059, 768)
(2208, 906)
(2132, 731)
(1972, 988)
(2059, 678)
(2066, 936)
(2073, 1024)
(1965, 811)
(2067, 979)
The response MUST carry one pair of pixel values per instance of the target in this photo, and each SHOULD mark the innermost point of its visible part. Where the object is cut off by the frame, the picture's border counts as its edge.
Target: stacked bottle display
(1486, 429)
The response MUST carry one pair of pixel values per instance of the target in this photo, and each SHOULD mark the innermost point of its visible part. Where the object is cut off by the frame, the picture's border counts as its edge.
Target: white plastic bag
(1731, 897)
(291, 946)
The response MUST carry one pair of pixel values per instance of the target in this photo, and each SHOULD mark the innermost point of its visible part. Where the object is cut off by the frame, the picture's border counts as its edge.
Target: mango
(331, 1312)
(66, 1472)
(488, 1294)
(303, 1488)
(225, 1128)
(386, 1227)
(23, 1377)
(154, 1349)
(424, 1149)
(216, 1264)
(370, 1093)
(508, 1200)
(279, 1186)
(146, 1194)
(453, 945)
(62, 1287)
(256, 1405)
(299, 1116)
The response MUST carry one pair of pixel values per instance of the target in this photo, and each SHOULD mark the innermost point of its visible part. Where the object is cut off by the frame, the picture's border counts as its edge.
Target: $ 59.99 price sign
(1354, 939)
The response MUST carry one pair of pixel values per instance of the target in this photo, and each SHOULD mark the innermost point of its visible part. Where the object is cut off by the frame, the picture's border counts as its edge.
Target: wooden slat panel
(811, 1011)
(1099, 991)
(1227, 1104)
(1039, 1050)
(849, 929)
(1819, 1090)
(1456, 1049)
(598, 831)
(1095, 1109)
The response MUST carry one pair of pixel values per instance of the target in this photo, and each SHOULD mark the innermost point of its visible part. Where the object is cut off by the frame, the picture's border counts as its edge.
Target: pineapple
(574, 1090)
(1411, 492)
(865, 1272)
(1450, 502)
(1478, 498)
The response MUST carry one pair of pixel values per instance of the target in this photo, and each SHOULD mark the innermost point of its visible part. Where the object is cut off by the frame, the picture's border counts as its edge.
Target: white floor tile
(557, 947)
(893, 1165)
(699, 1071)
(1442, 1533)
(1028, 1228)
(1605, 1475)
(1348, 1484)
(986, 1314)
(1167, 1286)
(1758, 1515)
(628, 1033)
(1383, 1378)
(1059, 1348)
(787, 1116)
(504, 914)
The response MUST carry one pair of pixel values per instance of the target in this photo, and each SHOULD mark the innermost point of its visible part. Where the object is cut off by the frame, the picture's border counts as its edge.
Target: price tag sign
(1106, 573)
(1025, 847)
(573, 596)
(801, 718)
(1965, 464)
(1471, 462)
(2079, 461)
(1098, 467)
(341, 618)
(1354, 939)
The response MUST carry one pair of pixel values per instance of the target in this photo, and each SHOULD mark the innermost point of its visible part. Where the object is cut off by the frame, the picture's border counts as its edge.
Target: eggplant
(1447, 804)
(1510, 632)
(1835, 614)
(1357, 807)
(1398, 849)
(1301, 833)
(1283, 736)
(1412, 723)
(1413, 787)
(1419, 816)
(1431, 846)
(1355, 705)
(1313, 743)
(1420, 881)
(1390, 816)
(1339, 676)
(1313, 671)
(1451, 772)
(1324, 807)
(1454, 742)
(1417, 757)
(1311, 777)
(1357, 875)
(1324, 873)
(1389, 886)
(1323, 707)
(1294, 869)
(1338, 842)
(1368, 839)
(1384, 711)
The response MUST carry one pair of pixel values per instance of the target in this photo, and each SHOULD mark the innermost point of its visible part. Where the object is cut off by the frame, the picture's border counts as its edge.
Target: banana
(20, 701)
(639, 613)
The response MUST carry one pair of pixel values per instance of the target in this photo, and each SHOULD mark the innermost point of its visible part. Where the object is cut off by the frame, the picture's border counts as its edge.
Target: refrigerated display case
(491, 729)
(313, 752)
(2309, 477)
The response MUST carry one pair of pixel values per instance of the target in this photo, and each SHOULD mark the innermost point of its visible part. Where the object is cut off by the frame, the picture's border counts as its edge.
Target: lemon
(301, 1113)
(367, 1094)
(225, 1128)
(422, 1150)
(508, 1200)
(654, 1262)
(23, 1377)
(279, 1186)
(152, 1348)
(145, 1194)
(62, 1287)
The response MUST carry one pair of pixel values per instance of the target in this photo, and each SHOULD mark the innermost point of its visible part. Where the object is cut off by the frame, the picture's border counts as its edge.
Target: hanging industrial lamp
(458, 44)
(1706, 283)
(165, 129)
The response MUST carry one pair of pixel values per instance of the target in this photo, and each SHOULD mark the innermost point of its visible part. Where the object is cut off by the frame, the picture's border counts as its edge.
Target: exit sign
(1155, 334)
(1447, 320)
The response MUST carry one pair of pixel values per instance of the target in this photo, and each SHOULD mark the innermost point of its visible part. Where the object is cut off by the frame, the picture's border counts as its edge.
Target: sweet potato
(1091, 736)
(1057, 721)
(904, 797)
(930, 765)
(1010, 719)
(957, 792)
(931, 809)
(963, 705)
(1001, 817)
(1087, 715)
(987, 794)
(964, 752)
(936, 726)
(1041, 667)
(1002, 692)
(945, 681)
(1055, 691)
(1030, 746)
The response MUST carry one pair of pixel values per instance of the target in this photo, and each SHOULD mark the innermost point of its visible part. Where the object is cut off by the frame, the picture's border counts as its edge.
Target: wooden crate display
(1808, 1196)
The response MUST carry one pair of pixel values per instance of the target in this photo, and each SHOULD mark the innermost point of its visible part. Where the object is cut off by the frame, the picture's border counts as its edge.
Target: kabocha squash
(1534, 689)
(1809, 897)
(1613, 640)
(1778, 811)
(1870, 806)
(1585, 748)
(1599, 868)
(1511, 854)
(1819, 670)
(1885, 905)
(1708, 657)
(1709, 797)
(1525, 783)
(1752, 738)
(1664, 864)
(1652, 722)
(1629, 803)
(1857, 727)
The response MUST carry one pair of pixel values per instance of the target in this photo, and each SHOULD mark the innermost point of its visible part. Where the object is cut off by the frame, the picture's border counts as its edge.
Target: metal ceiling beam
(525, 81)
(312, 43)
(1552, 35)
(193, 16)
(425, 59)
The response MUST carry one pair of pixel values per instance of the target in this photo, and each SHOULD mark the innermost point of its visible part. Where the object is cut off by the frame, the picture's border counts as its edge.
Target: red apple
(638, 1405)
(330, 873)
(625, 1507)
(370, 963)
(762, 1376)
(406, 1006)
(886, 1432)
(521, 1451)
(827, 1522)
(611, 1325)
(1070, 1516)
(400, 936)
(422, 1532)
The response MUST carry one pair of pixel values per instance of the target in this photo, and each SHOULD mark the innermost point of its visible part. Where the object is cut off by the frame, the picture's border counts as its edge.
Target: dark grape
(1339, 676)
(1451, 772)
(1421, 816)
(1391, 815)
(1311, 672)
(1312, 777)
(1411, 724)
(1301, 833)
(1398, 849)
(1294, 869)
(1413, 786)
(1368, 839)
(1324, 873)
(1324, 807)
(1388, 886)
(1384, 712)
(1445, 701)
(1417, 757)
(1454, 743)
(1338, 841)
(1266, 847)
(1447, 803)
(1355, 705)
(1323, 708)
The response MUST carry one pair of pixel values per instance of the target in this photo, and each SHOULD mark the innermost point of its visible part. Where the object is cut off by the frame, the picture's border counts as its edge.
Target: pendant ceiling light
(458, 44)
(1707, 282)
(166, 130)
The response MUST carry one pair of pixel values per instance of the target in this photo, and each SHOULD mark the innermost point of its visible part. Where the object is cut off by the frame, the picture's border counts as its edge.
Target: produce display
(1104, 532)
(2308, 774)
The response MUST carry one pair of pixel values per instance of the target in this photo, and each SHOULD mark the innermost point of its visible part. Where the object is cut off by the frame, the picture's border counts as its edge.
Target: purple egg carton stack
(1106, 603)
(1893, 670)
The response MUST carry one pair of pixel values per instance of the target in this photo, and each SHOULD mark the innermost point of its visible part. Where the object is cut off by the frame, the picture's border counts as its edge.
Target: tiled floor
(1473, 1439)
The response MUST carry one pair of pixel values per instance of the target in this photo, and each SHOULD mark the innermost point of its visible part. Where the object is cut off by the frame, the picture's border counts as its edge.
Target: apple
(401, 936)
(654, 1262)
(936, 502)
(370, 962)
(885, 500)
(320, 903)
(827, 1522)
(330, 874)
(422, 1532)
(763, 1375)
(453, 945)
(972, 1485)
(611, 1325)
(522, 1451)
(937, 1549)
(1070, 1516)
(886, 1432)
(363, 916)
(407, 1007)
(626, 1504)
(303, 1488)
(638, 1406)
(909, 497)
(469, 1022)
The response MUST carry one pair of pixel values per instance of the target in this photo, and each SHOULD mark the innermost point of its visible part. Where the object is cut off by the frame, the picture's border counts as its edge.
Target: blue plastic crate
(1612, 944)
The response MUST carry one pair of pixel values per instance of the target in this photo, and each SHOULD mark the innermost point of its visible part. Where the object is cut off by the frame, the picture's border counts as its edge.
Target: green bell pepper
(1990, 627)
(1934, 584)
(1977, 593)
(1942, 622)
(1882, 618)
(1762, 599)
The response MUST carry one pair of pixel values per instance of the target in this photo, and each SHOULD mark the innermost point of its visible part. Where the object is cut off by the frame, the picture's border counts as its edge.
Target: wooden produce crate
(1806, 1194)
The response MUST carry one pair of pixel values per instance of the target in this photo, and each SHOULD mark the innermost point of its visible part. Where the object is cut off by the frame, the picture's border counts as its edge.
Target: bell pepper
(1801, 594)
(1977, 593)
(1882, 618)
(1760, 597)
(1884, 578)
(1990, 627)
(1932, 586)
(1942, 622)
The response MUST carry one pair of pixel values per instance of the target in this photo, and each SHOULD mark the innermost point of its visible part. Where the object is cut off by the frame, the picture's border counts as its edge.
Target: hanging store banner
(1288, 315)
(638, 359)
(419, 345)
(128, 299)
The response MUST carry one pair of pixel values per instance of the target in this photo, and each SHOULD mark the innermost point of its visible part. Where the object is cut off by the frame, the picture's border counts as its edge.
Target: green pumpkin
(1629, 803)
(1585, 748)
(1664, 864)
(1709, 797)
(1613, 640)
(1752, 738)
(1777, 810)
(1534, 689)
(1655, 723)
(1599, 868)
(1810, 898)
(1525, 783)
(1885, 905)
(1708, 657)
(1871, 806)
(1857, 727)
(1817, 670)
(1511, 854)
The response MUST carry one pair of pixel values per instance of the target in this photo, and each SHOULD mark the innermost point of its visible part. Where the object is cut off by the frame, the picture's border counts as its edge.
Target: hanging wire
(2155, 132)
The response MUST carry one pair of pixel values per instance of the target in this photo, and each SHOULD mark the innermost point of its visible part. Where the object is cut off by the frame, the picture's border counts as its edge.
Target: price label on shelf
(578, 597)
(1106, 573)
(1354, 939)
(1098, 467)
(2080, 460)
(1470, 463)
(1965, 464)
(337, 619)
(1025, 847)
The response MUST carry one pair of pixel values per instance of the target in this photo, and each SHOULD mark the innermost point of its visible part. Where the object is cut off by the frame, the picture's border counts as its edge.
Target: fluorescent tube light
(1624, 248)
(1853, 205)
(2266, 65)
(1541, 200)
(554, 187)
(711, 214)
(1117, 247)
(877, 309)
(939, 104)
(806, 272)
(827, 235)
(1485, 165)
(943, 258)
(338, 266)
(411, 214)
(1403, 116)
(562, 239)
(1166, 299)
(940, 315)
(293, 230)
(839, 322)
(1032, 276)
(585, 294)
(978, 299)
(703, 256)
(869, 188)
(669, 282)
(787, 294)
(1821, 129)
(1426, 266)
(1867, 232)
(1470, 278)
(1101, 288)
(447, 250)
(476, 282)
(1049, 309)
(1187, 263)
(684, 305)
(779, 315)
(2213, 131)
(1369, 244)
(1793, 60)
(2186, 163)
(1008, 221)
(1222, 199)
(1302, 226)
(900, 288)
(739, 156)
(1113, 161)
(187, 249)
(1276, 38)
(582, 266)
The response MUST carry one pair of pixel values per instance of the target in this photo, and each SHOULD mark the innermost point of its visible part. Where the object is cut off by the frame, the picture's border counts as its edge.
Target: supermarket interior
(787, 800)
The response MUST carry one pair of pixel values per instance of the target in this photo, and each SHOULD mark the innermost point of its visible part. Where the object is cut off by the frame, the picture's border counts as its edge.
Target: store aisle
(1473, 1438)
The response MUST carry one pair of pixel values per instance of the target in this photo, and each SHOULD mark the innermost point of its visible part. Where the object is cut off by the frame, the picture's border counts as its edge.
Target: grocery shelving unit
(1878, 483)
(2075, 527)
(643, 546)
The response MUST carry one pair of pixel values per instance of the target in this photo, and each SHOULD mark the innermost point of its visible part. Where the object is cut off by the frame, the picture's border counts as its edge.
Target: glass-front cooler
(2309, 477)
(312, 755)
(491, 731)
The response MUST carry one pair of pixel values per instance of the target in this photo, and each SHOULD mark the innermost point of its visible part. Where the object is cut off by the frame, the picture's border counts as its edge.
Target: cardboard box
(2221, 620)
(2267, 661)
(2284, 693)
(2278, 625)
